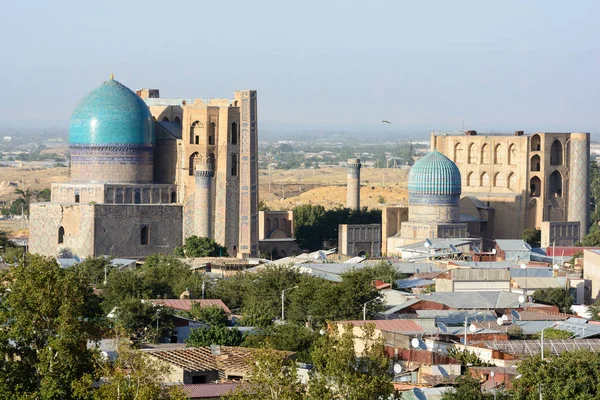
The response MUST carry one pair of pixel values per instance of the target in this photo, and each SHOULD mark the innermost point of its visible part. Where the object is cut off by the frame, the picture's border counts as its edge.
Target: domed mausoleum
(111, 137)
(434, 187)
(148, 172)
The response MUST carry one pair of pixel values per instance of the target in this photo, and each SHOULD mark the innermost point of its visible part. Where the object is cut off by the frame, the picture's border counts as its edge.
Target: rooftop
(186, 304)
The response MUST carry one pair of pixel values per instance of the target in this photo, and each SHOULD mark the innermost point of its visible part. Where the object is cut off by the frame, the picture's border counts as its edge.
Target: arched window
(472, 154)
(555, 184)
(498, 156)
(194, 159)
(536, 143)
(173, 197)
(535, 163)
(177, 120)
(276, 223)
(211, 161)
(556, 153)
(234, 133)
(234, 167)
(471, 179)
(499, 180)
(195, 132)
(535, 187)
(61, 235)
(485, 180)
(77, 197)
(267, 226)
(458, 153)
(512, 154)
(137, 198)
(144, 236)
(165, 119)
(211, 134)
(512, 181)
(485, 154)
(284, 225)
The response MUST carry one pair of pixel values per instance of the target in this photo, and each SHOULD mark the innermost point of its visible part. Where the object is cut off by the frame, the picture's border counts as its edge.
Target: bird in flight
(386, 122)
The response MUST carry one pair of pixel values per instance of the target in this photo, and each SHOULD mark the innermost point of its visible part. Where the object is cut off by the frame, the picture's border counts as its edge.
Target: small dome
(111, 114)
(434, 175)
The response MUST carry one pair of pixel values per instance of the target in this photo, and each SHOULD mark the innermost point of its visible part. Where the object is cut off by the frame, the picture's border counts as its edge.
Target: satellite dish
(523, 266)
(397, 368)
(556, 267)
(505, 317)
(500, 321)
(494, 251)
(417, 271)
(453, 248)
(77, 259)
(527, 246)
(104, 355)
(515, 314)
(473, 328)
(427, 243)
(322, 332)
(492, 374)
(442, 327)
(414, 343)
(522, 299)
(476, 249)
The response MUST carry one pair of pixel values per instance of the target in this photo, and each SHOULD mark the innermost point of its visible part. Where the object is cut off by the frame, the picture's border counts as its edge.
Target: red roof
(567, 251)
(380, 285)
(186, 304)
(392, 325)
(209, 390)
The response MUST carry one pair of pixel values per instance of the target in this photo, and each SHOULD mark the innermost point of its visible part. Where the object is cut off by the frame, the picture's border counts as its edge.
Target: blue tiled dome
(111, 114)
(434, 175)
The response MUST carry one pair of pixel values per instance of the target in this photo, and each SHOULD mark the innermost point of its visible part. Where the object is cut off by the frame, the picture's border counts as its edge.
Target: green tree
(594, 310)
(592, 239)
(133, 376)
(559, 297)
(216, 334)
(552, 333)
(48, 314)
(273, 377)
(466, 357)
(566, 376)
(467, 387)
(533, 237)
(339, 373)
(288, 337)
(19, 206)
(203, 247)
(211, 315)
(43, 195)
(143, 321)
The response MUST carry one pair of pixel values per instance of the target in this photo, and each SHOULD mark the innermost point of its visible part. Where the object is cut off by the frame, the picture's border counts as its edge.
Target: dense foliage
(48, 315)
(203, 247)
(533, 237)
(315, 300)
(559, 297)
(289, 336)
(316, 228)
(338, 373)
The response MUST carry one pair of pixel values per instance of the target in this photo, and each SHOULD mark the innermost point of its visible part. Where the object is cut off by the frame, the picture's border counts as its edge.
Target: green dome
(434, 175)
(111, 114)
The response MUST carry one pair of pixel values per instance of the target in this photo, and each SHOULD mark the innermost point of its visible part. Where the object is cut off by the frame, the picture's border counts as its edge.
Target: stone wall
(118, 229)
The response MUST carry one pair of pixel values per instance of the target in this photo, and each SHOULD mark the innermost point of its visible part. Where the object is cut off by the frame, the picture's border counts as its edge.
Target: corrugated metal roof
(401, 306)
(485, 264)
(567, 251)
(474, 300)
(480, 274)
(533, 272)
(539, 283)
(413, 283)
(532, 347)
(186, 304)
(457, 317)
(513, 245)
(392, 325)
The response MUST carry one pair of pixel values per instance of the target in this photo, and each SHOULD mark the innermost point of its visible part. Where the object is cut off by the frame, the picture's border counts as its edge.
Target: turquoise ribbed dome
(111, 114)
(434, 175)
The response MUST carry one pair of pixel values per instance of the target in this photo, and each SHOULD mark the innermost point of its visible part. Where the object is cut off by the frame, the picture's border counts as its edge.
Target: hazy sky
(509, 65)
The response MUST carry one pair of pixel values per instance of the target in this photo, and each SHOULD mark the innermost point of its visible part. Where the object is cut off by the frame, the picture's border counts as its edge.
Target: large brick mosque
(147, 172)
